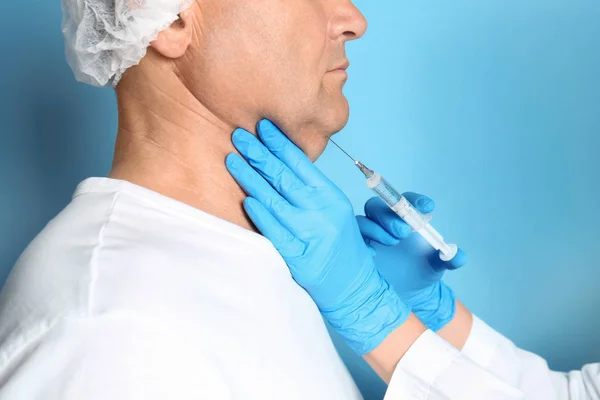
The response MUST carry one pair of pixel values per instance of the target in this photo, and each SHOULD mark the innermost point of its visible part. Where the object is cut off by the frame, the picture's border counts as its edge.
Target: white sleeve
(117, 357)
(527, 371)
(434, 370)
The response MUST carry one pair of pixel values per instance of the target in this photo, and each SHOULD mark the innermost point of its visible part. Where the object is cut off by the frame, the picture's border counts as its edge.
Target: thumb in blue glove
(421, 272)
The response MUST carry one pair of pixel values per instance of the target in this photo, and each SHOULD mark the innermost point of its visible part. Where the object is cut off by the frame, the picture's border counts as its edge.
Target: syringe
(405, 210)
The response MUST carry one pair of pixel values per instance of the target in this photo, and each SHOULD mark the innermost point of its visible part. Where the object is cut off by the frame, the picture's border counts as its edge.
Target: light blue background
(491, 108)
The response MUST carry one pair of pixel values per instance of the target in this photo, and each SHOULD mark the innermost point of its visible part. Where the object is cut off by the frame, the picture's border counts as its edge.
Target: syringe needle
(343, 151)
(366, 171)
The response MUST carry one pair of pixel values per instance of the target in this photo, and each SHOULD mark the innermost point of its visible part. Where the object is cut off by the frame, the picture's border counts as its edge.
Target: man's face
(278, 59)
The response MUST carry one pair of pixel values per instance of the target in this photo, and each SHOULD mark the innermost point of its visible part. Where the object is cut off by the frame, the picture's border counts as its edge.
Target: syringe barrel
(397, 202)
(417, 221)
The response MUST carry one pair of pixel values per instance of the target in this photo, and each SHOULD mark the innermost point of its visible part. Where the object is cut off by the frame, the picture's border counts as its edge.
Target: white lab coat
(490, 367)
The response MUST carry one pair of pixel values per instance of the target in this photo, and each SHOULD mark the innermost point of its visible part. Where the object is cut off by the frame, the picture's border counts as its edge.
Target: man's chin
(339, 117)
(312, 135)
(335, 123)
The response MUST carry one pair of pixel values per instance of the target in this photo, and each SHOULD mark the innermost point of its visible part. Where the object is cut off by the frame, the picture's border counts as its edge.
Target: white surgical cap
(103, 38)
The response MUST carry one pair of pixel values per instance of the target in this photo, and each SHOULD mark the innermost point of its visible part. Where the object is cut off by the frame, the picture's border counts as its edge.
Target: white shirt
(130, 295)
(490, 367)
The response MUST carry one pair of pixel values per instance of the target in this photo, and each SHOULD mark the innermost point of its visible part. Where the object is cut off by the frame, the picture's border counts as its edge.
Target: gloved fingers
(459, 260)
(373, 232)
(290, 154)
(422, 203)
(378, 212)
(271, 168)
(256, 186)
(282, 239)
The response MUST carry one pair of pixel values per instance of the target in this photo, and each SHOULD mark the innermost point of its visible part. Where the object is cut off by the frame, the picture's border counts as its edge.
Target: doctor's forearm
(457, 331)
(385, 357)
(388, 354)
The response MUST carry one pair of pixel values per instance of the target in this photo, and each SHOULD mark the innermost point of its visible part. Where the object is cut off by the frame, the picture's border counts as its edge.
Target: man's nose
(348, 21)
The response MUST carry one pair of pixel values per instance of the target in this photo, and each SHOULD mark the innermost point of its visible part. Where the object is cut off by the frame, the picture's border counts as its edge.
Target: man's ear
(174, 41)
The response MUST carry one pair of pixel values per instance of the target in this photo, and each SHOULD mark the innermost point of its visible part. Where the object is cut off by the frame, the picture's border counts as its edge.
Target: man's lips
(343, 66)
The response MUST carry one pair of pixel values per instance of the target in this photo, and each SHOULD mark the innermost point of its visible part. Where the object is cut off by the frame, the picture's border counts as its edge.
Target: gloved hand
(312, 224)
(421, 286)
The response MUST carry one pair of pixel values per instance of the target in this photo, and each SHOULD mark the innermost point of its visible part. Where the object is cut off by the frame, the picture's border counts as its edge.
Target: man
(152, 283)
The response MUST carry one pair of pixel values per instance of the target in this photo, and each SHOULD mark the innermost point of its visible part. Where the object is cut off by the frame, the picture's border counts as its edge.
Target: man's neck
(170, 143)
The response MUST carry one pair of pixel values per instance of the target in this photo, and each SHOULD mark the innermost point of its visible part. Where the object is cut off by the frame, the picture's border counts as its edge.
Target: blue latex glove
(422, 289)
(312, 224)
